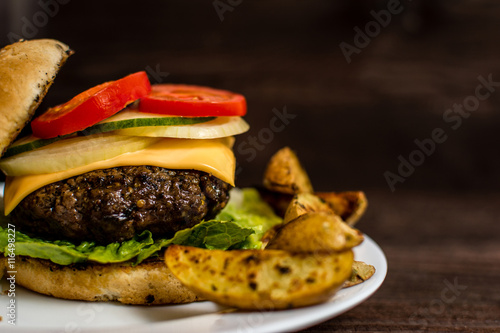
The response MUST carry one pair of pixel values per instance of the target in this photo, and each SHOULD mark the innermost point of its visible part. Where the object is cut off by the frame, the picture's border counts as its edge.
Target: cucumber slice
(124, 119)
(30, 143)
(72, 152)
(131, 119)
(217, 128)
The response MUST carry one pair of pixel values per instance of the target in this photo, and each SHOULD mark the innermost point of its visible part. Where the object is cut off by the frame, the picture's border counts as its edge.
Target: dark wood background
(348, 122)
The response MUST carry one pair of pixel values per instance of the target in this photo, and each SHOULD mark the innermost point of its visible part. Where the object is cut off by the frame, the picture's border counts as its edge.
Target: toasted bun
(149, 283)
(27, 69)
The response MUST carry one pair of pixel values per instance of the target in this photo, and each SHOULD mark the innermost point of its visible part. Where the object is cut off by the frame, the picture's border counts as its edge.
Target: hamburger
(106, 181)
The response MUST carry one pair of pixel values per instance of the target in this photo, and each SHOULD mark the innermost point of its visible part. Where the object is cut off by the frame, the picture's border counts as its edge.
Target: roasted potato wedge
(303, 203)
(285, 177)
(269, 235)
(260, 279)
(285, 174)
(348, 205)
(316, 232)
(279, 202)
(360, 272)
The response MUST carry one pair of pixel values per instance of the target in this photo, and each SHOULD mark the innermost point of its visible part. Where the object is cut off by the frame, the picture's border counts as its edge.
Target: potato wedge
(360, 273)
(269, 235)
(316, 232)
(349, 205)
(285, 174)
(260, 279)
(303, 203)
(279, 202)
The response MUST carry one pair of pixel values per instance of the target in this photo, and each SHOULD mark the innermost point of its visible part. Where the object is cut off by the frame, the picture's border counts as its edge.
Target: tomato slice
(91, 106)
(195, 101)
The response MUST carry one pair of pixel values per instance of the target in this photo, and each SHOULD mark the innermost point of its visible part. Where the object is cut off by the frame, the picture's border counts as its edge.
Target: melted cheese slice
(211, 156)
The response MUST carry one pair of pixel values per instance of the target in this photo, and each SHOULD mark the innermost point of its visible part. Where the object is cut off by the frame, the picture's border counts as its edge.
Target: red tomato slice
(195, 101)
(91, 106)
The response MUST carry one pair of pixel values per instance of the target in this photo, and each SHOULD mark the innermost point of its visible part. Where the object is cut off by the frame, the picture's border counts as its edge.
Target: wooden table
(439, 229)
(444, 264)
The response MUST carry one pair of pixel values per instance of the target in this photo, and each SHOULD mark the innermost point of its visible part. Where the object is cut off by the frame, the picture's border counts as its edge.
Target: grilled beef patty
(115, 204)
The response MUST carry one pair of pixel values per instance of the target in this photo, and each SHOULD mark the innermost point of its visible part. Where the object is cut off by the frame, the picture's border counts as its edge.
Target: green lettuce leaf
(240, 225)
(210, 235)
(248, 210)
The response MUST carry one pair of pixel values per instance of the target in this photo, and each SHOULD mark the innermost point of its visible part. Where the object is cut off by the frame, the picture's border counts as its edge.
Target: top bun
(27, 70)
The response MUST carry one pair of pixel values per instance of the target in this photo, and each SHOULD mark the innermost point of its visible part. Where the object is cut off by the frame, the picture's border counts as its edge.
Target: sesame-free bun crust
(27, 70)
(149, 283)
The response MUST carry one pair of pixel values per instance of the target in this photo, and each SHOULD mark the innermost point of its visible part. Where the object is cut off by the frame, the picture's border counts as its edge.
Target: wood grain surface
(350, 122)
(443, 256)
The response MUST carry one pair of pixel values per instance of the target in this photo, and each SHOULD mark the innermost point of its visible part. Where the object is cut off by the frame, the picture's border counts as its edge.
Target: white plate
(39, 313)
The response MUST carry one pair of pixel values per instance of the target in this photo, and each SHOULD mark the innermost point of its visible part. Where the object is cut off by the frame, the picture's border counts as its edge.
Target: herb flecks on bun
(104, 184)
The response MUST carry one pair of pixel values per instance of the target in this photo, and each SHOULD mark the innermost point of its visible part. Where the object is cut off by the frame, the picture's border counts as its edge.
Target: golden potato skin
(303, 203)
(317, 231)
(361, 272)
(285, 174)
(350, 205)
(260, 279)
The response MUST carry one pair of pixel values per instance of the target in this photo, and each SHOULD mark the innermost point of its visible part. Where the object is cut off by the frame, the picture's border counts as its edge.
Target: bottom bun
(149, 283)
